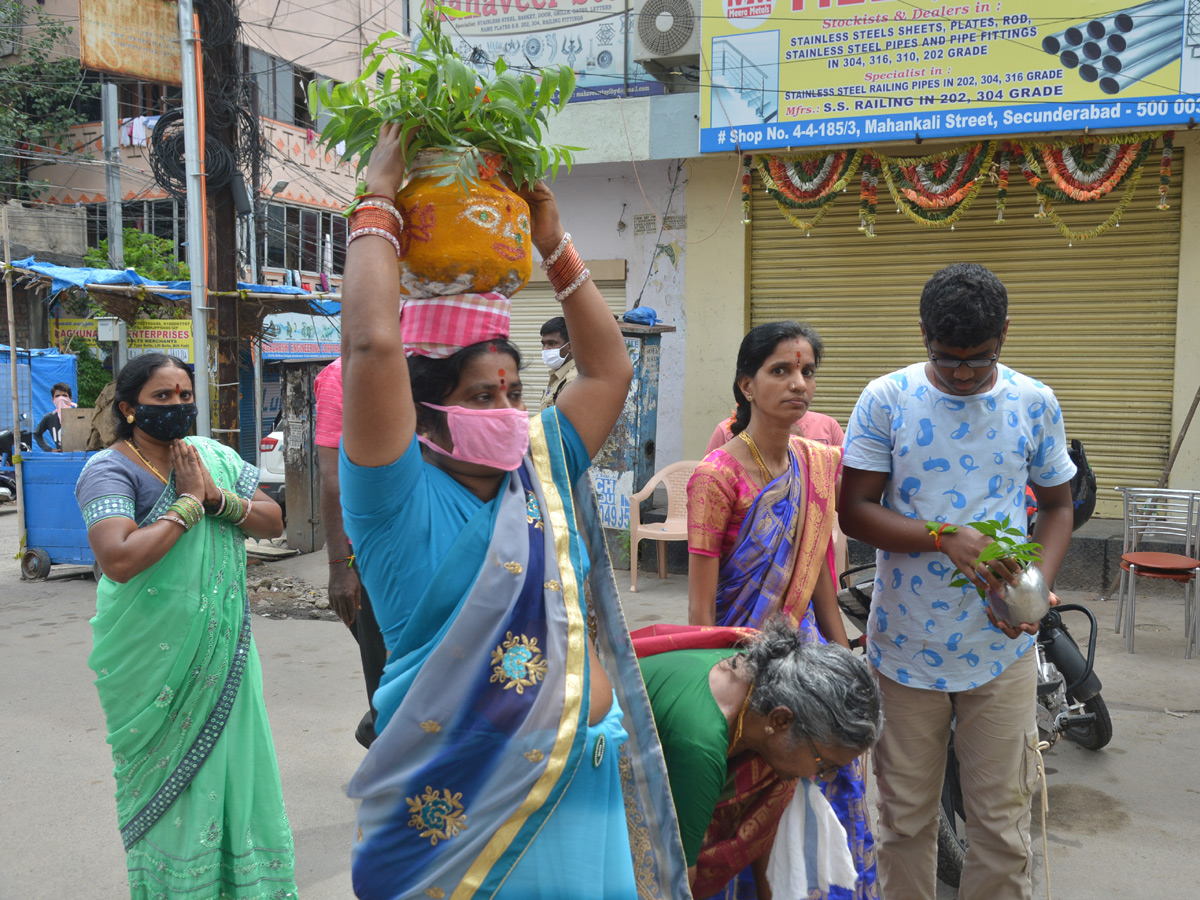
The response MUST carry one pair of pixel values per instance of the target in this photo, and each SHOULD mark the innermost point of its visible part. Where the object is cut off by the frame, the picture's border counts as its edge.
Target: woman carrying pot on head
(760, 518)
(496, 766)
(742, 715)
(198, 796)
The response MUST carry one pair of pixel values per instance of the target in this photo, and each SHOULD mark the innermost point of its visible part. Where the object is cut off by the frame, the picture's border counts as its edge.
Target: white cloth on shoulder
(810, 850)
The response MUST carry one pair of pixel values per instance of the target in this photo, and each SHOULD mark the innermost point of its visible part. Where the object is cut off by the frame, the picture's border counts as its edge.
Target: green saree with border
(199, 801)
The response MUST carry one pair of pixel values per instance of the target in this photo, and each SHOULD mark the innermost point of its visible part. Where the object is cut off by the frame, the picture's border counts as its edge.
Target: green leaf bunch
(90, 373)
(445, 104)
(38, 90)
(1007, 543)
(150, 256)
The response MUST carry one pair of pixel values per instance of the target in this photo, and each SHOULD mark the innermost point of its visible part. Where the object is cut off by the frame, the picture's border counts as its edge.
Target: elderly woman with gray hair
(743, 715)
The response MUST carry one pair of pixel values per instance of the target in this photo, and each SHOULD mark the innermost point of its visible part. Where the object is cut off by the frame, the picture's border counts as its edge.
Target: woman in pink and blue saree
(761, 511)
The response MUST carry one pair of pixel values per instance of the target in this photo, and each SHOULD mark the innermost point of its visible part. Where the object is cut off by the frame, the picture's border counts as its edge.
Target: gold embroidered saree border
(819, 465)
(575, 671)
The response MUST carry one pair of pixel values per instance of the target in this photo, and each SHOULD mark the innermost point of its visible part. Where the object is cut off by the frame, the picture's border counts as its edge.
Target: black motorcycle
(7, 441)
(8, 481)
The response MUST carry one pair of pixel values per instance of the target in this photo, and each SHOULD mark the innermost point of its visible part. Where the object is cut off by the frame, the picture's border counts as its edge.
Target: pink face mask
(497, 438)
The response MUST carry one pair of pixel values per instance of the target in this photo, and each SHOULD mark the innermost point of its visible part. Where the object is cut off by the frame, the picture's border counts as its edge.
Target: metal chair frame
(1159, 514)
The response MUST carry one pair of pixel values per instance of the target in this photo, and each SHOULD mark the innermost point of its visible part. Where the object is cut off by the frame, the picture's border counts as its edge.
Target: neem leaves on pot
(446, 105)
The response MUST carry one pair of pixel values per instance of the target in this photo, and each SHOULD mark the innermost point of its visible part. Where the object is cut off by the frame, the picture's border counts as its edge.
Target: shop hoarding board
(170, 336)
(590, 36)
(302, 336)
(136, 38)
(798, 73)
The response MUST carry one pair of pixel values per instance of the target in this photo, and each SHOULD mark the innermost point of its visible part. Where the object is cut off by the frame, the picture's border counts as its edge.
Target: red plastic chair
(1159, 515)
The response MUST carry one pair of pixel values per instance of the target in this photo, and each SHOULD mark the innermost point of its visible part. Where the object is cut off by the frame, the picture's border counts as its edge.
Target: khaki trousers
(995, 736)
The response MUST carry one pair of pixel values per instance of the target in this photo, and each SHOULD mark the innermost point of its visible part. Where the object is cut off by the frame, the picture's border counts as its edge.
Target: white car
(272, 466)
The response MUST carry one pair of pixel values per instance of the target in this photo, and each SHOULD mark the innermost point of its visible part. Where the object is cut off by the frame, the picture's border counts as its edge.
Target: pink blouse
(720, 494)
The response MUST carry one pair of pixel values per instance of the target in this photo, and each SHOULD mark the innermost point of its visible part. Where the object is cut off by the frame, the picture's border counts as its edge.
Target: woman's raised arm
(592, 401)
(378, 414)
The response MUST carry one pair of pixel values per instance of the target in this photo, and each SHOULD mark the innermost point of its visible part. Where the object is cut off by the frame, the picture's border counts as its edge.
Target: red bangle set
(378, 217)
(374, 218)
(567, 272)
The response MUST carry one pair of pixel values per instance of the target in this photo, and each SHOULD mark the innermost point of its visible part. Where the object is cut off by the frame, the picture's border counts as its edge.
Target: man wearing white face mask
(556, 354)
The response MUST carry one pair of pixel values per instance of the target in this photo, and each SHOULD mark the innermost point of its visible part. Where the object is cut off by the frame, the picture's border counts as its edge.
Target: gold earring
(129, 419)
(769, 730)
(749, 399)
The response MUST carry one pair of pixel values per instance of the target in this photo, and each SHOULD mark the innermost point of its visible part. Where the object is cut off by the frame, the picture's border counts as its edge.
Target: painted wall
(326, 37)
(716, 296)
(594, 201)
(1186, 471)
(614, 131)
(46, 231)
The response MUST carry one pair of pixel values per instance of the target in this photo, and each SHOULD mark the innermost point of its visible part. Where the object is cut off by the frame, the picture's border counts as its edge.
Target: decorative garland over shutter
(936, 190)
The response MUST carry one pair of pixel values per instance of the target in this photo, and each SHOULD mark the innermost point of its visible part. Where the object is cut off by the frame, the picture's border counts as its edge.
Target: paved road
(1122, 824)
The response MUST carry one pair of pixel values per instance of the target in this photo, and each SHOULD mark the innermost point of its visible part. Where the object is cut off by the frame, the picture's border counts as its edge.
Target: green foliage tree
(90, 371)
(39, 92)
(147, 254)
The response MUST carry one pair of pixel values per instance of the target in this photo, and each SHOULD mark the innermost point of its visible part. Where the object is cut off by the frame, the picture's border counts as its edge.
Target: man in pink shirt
(813, 425)
(347, 596)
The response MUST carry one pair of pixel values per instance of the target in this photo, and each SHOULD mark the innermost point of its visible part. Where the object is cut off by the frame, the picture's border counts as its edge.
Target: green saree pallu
(198, 795)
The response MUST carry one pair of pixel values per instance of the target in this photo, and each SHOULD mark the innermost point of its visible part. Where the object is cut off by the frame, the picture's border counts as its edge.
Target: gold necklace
(149, 465)
(762, 466)
(737, 732)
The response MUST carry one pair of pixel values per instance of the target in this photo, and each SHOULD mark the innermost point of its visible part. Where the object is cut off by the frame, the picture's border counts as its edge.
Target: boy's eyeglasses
(979, 362)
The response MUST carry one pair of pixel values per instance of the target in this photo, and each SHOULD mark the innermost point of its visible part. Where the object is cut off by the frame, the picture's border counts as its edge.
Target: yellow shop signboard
(171, 336)
(797, 73)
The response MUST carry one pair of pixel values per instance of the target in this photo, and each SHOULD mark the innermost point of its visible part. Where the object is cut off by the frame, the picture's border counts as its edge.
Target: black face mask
(165, 422)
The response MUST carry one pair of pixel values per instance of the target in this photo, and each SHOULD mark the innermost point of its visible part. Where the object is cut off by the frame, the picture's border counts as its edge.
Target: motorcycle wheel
(951, 849)
(1099, 732)
(952, 826)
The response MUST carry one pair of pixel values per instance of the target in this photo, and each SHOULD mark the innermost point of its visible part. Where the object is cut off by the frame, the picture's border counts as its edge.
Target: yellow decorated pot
(456, 243)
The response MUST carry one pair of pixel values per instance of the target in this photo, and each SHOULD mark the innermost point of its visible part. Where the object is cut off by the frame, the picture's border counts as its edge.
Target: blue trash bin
(54, 530)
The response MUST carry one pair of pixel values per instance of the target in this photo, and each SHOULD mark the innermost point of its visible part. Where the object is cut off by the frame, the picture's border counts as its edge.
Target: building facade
(298, 232)
(1089, 282)
(655, 200)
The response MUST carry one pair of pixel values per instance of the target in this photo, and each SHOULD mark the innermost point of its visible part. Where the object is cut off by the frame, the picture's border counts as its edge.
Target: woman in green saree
(199, 802)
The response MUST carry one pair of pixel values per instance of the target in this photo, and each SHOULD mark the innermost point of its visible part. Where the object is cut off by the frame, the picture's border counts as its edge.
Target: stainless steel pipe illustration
(1132, 73)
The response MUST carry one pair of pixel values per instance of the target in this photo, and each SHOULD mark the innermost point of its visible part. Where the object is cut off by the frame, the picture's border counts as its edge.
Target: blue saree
(486, 779)
(773, 569)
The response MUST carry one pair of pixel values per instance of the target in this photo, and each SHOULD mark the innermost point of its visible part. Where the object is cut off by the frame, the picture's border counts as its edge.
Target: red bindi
(501, 378)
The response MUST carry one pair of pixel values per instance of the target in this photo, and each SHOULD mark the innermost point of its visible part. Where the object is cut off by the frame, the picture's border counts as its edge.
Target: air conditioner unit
(666, 33)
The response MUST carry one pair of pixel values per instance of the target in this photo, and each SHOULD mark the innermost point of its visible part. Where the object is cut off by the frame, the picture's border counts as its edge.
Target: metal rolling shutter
(1095, 321)
(535, 303)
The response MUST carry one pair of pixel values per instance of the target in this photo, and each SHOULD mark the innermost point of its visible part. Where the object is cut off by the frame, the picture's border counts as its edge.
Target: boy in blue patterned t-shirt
(930, 449)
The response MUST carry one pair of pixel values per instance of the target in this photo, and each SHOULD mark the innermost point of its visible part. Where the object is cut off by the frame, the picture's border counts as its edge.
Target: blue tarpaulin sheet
(64, 277)
(37, 372)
